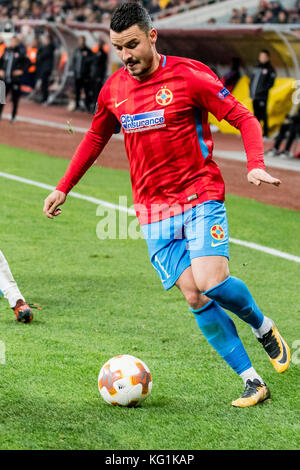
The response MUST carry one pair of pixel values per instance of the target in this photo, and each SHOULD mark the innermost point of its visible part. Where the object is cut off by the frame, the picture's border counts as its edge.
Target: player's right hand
(55, 199)
(258, 176)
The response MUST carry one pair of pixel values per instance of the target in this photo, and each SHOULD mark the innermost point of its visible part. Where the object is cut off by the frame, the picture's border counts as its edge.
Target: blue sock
(234, 295)
(220, 332)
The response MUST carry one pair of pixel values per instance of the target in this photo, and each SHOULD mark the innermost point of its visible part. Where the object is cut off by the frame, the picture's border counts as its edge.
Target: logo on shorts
(217, 232)
(164, 96)
(223, 93)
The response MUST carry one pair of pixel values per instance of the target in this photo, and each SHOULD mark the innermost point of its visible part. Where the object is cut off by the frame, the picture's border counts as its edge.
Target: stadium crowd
(96, 11)
(90, 11)
(268, 12)
(89, 64)
(28, 67)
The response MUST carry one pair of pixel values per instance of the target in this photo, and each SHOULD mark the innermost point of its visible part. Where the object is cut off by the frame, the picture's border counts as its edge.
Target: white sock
(264, 328)
(250, 374)
(7, 283)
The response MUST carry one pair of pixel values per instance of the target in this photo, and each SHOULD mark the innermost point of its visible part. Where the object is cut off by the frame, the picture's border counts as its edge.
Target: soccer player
(262, 80)
(12, 293)
(162, 103)
(13, 65)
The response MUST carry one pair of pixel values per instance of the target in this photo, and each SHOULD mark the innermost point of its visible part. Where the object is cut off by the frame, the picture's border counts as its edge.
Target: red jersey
(164, 118)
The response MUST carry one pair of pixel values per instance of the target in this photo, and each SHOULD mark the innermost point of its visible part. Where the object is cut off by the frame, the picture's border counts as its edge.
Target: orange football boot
(277, 349)
(23, 312)
(255, 392)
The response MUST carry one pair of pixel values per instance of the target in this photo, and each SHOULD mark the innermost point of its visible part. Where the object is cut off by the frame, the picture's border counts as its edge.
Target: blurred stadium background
(215, 32)
(68, 341)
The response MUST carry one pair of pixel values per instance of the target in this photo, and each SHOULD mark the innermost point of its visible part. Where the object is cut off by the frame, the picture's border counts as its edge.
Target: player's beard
(139, 68)
(132, 66)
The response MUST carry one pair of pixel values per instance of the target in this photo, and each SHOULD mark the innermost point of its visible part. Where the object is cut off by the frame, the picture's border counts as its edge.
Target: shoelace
(251, 387)
(35, 305)
(270, 344)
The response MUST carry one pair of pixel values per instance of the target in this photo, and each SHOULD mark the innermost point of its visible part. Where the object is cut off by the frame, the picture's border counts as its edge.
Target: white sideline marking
(292, 164)
(41, 122)
(58, 125)
(266, 249)
(254, 246)
(73, 194)
(272, 162)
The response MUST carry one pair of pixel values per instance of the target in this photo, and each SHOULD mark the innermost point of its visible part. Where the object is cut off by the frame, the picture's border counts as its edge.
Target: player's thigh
(209, 271)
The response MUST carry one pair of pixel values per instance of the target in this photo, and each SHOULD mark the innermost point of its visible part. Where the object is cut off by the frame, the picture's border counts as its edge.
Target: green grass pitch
(102, 298)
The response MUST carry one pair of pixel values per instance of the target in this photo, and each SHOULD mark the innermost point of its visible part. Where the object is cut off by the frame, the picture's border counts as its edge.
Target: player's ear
(153, 36)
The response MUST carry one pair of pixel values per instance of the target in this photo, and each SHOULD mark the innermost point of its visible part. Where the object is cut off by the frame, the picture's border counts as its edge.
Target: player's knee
(205, 284)
(195, 299)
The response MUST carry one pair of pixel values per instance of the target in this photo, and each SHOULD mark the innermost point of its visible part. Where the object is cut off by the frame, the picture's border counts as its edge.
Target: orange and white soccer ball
(124, 381)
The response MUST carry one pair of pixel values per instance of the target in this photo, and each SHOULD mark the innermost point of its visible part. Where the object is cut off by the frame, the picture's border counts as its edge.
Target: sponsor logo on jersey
(223, 93)
(164, 96)
(143, 121)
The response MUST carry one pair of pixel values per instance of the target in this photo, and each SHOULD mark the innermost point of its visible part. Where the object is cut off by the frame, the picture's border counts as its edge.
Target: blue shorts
(174, 242)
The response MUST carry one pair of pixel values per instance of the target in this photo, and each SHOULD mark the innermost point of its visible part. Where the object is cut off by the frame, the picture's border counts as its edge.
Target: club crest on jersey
(143, 121)
(164, 96)
(223, 93)
(217, 232)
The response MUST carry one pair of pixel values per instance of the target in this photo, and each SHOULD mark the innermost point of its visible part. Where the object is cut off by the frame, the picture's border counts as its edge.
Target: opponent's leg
(7, 89)
(12, 293)
(233, 294)
(15, 94)
(220, 332)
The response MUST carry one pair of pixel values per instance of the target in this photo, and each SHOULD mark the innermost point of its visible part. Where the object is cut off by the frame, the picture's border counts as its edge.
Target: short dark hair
(265, 51)
(129, 14)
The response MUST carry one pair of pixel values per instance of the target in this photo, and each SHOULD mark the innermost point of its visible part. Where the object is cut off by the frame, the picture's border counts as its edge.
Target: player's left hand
(258, 176)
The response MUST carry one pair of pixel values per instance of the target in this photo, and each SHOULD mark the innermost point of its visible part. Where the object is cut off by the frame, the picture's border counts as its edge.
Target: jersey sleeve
(243, 120)
(208, 92)
(102, 128)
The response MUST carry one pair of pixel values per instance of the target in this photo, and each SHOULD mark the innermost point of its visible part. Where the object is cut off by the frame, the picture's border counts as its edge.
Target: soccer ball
(124, 381)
